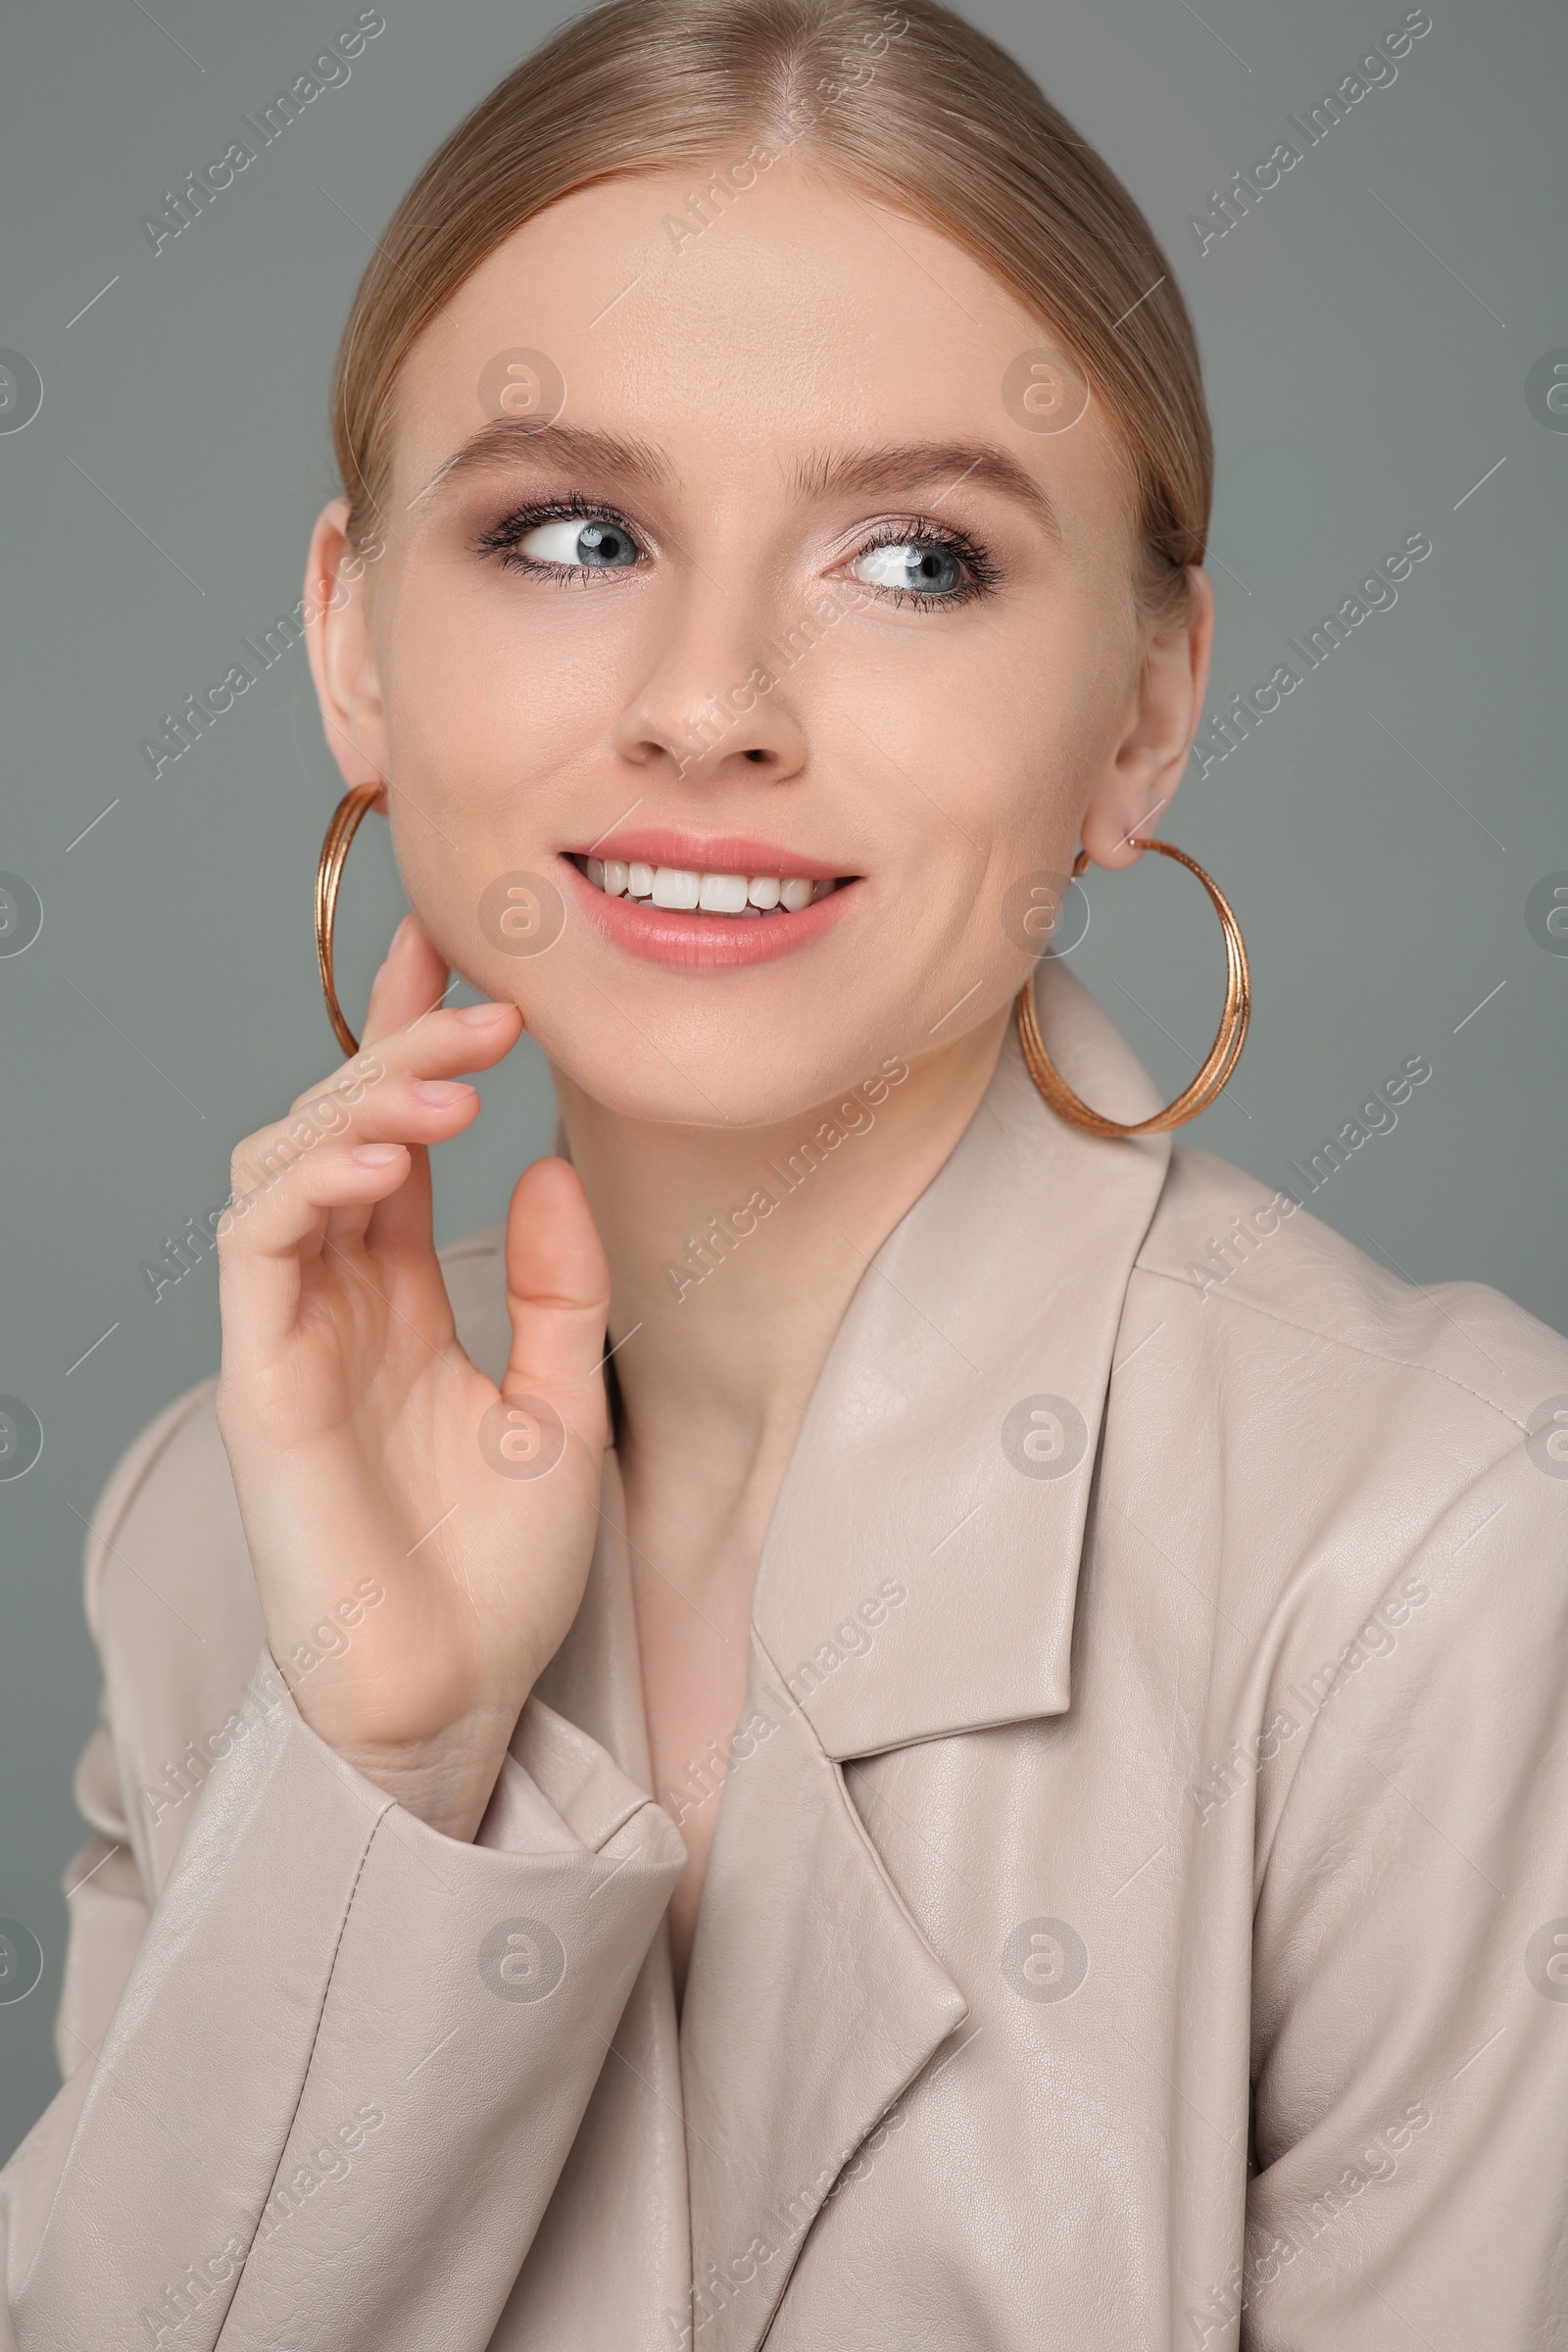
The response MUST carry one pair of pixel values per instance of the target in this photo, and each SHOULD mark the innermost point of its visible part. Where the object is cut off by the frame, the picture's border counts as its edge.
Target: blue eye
(593, 544)
(922, 567)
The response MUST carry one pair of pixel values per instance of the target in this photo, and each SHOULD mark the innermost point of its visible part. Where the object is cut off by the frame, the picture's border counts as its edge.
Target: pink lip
(709, 854)
(705, 942)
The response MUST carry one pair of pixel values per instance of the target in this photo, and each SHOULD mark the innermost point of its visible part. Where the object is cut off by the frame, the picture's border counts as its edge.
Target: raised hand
(369, 1454)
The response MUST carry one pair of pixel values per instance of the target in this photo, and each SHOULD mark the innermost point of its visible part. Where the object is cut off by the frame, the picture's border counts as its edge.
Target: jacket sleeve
(109, 1909)
(321, 2088)
(1410, 1996)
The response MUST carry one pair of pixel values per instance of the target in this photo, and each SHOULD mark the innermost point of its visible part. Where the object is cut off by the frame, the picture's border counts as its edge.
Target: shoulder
(1324, 1431)
(1258, 1281)
(142, 1464)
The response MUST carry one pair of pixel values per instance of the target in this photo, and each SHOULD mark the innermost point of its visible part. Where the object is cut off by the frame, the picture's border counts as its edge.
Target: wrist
(446, 1793)
(446, 1780)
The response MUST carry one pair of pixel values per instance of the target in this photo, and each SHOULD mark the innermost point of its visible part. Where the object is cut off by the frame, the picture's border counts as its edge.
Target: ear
(342, 654)
(1163, 709)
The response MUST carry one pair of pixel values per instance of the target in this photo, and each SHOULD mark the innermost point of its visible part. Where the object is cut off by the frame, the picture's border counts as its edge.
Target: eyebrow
(916, 465)
(512, 441)
(910, 466)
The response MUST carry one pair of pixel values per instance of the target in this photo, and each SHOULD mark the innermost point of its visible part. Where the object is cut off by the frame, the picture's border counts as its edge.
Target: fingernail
(402, 934)
(377, 1155)
(439, 1094)
(480, 1016)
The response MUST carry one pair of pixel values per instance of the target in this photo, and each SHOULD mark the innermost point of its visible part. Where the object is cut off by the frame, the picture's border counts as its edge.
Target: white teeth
(680, 888)
(675, 886)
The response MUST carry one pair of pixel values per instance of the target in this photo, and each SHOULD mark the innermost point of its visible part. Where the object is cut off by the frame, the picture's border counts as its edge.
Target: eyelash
(913, 531)
(502, 542)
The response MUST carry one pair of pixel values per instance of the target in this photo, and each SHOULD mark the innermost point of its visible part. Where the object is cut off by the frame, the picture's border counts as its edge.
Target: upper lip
(709, 853)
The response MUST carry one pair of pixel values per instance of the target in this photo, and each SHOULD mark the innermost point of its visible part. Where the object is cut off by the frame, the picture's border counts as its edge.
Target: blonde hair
(940, 124)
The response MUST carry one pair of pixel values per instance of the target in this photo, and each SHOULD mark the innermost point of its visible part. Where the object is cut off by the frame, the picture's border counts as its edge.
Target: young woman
(893, 1717)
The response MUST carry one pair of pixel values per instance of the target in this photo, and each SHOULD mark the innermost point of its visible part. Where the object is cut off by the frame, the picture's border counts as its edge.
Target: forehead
(796, 315)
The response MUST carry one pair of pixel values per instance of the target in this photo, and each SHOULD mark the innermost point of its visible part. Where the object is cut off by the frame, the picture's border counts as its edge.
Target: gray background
(1367, 332)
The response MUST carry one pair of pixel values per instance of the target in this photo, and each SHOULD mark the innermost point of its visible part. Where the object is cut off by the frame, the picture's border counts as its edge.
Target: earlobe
(1109, 828)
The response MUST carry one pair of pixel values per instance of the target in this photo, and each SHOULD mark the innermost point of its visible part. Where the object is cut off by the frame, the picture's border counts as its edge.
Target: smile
(741, 902)
(682, 889)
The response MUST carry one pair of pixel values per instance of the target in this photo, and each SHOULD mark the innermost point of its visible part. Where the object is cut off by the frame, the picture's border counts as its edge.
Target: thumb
(557, 1291)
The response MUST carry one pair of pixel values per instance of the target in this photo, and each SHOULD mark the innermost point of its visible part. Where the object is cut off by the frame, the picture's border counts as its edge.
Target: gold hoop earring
(347, 817)
(1224, 1054)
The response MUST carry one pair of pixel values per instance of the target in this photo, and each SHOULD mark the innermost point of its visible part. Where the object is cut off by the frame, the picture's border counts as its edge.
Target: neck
(733, 1255)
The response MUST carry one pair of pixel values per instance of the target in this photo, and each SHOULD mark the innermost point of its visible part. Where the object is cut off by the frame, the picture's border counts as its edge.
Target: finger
(382, 1097)
(266, 1237)
(409, 988)
(397, 1091)
(437, 1043)
(389, 1110)
(414, 1111)
(557, 1291)
(412, 979)
(403, 1223)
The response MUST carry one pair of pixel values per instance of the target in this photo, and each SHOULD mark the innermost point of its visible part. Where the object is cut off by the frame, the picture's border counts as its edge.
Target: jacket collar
(935, 1460)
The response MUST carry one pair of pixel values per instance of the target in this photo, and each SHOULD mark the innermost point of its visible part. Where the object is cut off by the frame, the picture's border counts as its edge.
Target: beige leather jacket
(1136, 1911)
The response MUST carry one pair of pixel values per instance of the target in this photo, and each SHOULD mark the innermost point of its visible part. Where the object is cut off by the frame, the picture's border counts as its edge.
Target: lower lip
(704, 943)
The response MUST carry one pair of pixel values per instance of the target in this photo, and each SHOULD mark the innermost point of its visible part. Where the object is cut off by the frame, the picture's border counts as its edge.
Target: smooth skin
(755, 404)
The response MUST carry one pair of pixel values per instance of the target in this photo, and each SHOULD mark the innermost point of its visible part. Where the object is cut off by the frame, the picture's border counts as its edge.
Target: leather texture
(1133, 1916)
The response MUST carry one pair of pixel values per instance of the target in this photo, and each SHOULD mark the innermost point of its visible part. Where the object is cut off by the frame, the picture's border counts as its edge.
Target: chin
(781, 1071)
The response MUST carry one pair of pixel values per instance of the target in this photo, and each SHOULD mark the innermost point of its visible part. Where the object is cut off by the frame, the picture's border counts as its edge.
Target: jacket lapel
(950, 1445)
(812, 2003)
(624, 2188)
(918, 1580)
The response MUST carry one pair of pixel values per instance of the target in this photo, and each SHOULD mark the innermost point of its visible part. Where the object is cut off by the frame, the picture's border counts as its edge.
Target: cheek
(1014, 772)
(1020, 766)
(491, 685)
(1000, 718)
(500, 712)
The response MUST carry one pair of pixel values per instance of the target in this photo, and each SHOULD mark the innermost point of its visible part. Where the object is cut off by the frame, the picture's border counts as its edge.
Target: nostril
(755, 755)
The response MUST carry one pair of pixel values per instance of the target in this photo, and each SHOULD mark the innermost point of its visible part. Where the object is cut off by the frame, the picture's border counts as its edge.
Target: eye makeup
(943, 566)
(603, 531)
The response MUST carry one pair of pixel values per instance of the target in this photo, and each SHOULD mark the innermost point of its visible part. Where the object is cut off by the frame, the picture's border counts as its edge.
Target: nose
(712, 705)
